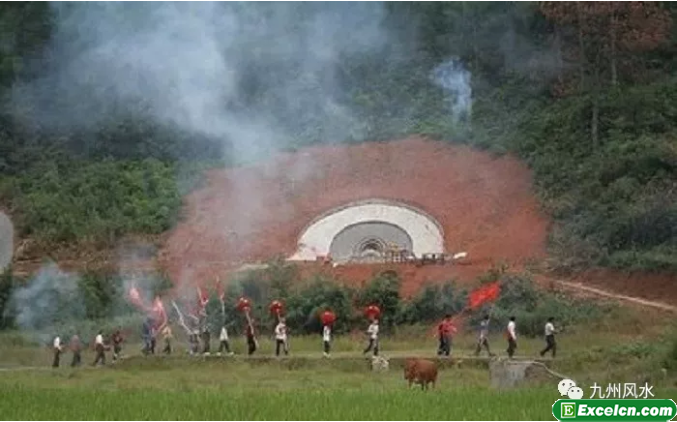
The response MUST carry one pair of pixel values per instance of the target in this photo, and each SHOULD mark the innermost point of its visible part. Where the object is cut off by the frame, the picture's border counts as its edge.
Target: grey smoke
(6, 241)
(455, 79)
(49, 300)
(256, 75)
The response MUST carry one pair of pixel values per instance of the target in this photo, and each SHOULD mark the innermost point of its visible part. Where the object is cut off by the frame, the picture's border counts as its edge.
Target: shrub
(384, 291)
(306, 305)
(532, 307)
(433, 302)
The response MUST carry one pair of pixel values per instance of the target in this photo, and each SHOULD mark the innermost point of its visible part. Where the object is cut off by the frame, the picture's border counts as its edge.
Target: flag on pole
(203, 297)
(487, 293)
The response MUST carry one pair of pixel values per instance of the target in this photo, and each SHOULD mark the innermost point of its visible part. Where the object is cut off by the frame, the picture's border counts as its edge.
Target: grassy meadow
(626, 348)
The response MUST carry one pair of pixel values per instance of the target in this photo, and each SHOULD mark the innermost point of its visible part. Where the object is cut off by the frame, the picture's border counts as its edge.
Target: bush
(532, 307)
(433, 303)
(306, 305)
(384, 291)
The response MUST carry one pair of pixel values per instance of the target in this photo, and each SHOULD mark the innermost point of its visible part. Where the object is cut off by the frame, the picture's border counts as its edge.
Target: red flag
(487, 293)
(276, 307)
(203, 297)
(160, 314)
(372, 311)
(328, 317)
(243, 304)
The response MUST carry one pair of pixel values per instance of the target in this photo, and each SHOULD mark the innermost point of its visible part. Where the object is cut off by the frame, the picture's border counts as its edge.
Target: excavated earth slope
(250, 214)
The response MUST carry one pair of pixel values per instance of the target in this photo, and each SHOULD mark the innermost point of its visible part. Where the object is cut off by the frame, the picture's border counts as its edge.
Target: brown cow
(420, 371)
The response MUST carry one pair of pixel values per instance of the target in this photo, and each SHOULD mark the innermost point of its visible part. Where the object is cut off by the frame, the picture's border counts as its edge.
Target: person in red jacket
(445, 330)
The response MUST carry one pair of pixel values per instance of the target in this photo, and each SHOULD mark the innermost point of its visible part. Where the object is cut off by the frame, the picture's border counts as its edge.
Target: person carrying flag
(372, 332)
(251, 339)
(326, 339)
(483, 338)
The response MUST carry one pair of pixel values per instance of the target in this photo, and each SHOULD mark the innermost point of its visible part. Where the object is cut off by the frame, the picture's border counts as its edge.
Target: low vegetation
(102, 297)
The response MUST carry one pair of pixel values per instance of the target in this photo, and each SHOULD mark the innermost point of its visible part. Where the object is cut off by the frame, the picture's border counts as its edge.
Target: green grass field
(307, 387)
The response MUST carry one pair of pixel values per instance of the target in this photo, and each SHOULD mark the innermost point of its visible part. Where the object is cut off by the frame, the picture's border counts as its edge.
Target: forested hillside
(96, 145)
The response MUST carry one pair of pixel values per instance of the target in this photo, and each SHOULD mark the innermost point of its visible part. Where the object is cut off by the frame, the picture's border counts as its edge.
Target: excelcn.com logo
(616, 409)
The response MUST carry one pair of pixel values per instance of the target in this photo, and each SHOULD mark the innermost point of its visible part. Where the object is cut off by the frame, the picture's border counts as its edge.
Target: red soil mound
(250, 214)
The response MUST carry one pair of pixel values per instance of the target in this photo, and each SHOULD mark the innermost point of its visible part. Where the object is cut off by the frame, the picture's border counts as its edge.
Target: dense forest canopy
(109, 110)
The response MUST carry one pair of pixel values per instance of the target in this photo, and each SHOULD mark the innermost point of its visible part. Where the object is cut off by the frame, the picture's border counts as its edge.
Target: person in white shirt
(281, 337)
(100, 349)
(512, 337)
(57, 351)
(223, 341)
(326, 338)
(372, 332)
(550, 338)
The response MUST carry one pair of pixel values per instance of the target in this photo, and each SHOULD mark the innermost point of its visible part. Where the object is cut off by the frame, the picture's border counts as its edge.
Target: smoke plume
(454, 79)
(256, 76)
(51, 299)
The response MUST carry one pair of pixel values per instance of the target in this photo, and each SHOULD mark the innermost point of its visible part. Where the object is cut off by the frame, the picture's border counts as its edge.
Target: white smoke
(6, 241)
(254, 75)
(454, 79)
(49, 300)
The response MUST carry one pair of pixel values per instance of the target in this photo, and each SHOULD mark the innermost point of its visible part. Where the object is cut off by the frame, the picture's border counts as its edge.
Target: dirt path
(598, 292)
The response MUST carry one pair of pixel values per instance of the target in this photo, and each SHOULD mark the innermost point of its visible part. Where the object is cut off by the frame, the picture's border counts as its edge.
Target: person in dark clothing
(116, 339)
(251, 339)
(76, 348)
(153, 339)
(206, 340)
(146, 335)
(194, 341)
(550, 344)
